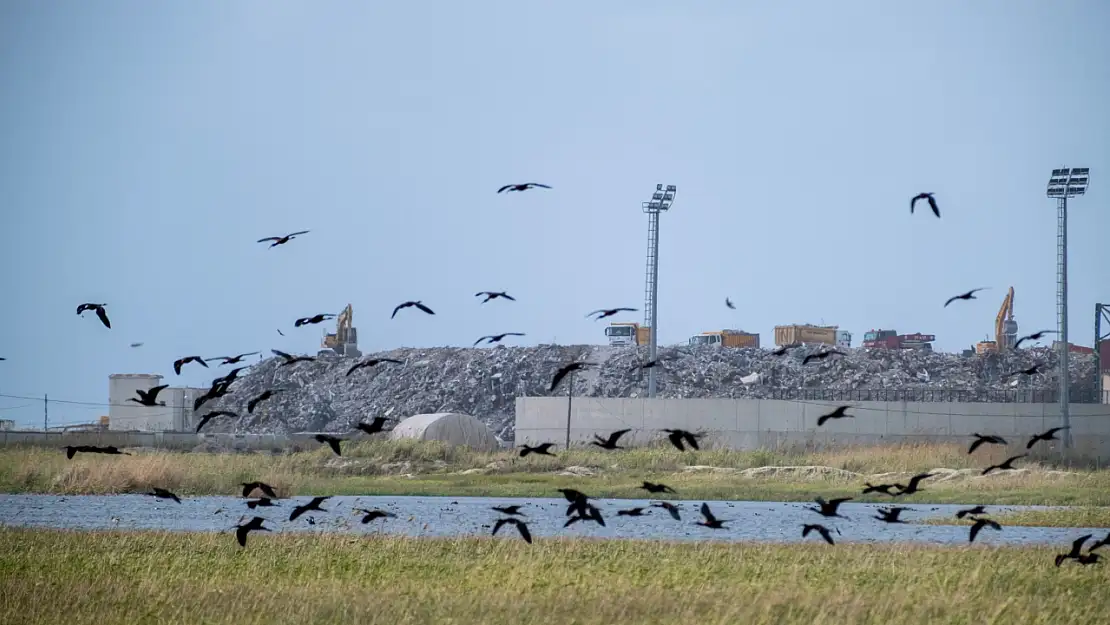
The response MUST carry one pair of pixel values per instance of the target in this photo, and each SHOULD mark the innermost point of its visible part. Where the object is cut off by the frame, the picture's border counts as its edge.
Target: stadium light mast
(661, 201)
(1063, 184)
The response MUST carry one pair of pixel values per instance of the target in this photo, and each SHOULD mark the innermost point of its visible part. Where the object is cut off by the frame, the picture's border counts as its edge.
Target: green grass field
(413, 468)
(102, 578)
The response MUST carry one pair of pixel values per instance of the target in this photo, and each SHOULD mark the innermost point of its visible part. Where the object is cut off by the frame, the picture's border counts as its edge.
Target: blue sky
(146, 146)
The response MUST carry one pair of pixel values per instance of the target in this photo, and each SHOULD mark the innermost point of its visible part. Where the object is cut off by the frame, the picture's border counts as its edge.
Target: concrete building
(175, 416)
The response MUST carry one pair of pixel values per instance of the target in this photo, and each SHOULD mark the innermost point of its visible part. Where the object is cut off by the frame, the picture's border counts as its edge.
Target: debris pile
(484, 382)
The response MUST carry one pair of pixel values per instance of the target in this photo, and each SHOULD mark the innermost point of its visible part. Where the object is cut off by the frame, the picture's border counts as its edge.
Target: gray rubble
(484, 382)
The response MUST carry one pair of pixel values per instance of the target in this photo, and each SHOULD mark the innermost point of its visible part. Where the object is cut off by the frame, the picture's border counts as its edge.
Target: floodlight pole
(661, 201)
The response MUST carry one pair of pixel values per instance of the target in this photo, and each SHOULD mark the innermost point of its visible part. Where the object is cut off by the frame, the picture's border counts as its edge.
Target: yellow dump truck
(790, 335)
(628, 333)
(726, 338)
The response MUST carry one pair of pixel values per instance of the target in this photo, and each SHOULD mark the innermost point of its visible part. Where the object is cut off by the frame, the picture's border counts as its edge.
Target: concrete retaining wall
(176, 441)
(770, 423)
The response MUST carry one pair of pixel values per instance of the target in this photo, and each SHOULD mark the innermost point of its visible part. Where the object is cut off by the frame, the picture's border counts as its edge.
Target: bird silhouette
(585, 512)
(242, 530)
(1088, 558)
(972, 511)
(654, 488)
(1049, 435)
(839, 413)
(611, 442)
(521, 527)
(978, 526)
(681, 438)
(1036, 336)
(784, 348)
(330, 441)
(669, 507)
(290, 358)
(282, 240)
(303, 321)
(100, 313)
(821, 356)
(181, 362)
(149, 397)
(881, 488)
(541, 449)
(964, 296)
(1030, 371)
(988, 439)
(411, 304)
(631, 512)
(509, 510)
(522, 187)
(212, 415)
(92, 449)
(496, 338)
(609, 312)
(266, 394)
(820, 529)
(231, 360)
(377, 424)
(890, 515)
(729, 303)
(929, 198)
(579, 501)
(494, 295)
(1007, 465)
(265, 502)
(913, 485)
(162, 493)
(1102, 543)
(372, 362)
(710, 521)
(564, 371)
(312, 505)
(829, 508)
(370, 515)
(1076, 549)
(249, 487)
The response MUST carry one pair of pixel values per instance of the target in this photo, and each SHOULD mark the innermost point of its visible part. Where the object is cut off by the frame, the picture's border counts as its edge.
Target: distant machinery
(345, 340)
(622, 333)
(1005, 328)
(726, 338)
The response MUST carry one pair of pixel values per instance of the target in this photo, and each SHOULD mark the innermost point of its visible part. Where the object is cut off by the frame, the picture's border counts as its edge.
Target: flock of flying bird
(579, 509)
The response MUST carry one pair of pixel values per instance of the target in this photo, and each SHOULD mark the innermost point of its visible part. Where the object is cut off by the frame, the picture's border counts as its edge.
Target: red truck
(890, 339)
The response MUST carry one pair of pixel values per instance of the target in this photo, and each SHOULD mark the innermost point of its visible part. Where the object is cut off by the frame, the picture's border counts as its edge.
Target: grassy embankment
(413, 468)
(111, 577)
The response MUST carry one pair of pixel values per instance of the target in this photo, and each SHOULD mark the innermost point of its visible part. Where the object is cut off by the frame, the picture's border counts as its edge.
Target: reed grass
(81, 578)
(426, 468)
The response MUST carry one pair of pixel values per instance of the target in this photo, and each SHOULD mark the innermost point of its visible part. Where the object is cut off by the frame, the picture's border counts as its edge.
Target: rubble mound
(319, 396)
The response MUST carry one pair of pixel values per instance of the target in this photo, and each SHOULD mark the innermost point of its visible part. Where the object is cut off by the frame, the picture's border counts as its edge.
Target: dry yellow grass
(415, 468)
(100, 578)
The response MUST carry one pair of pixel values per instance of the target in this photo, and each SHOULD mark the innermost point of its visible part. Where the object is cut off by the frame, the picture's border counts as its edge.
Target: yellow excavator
(345, 340)
(1005, 328)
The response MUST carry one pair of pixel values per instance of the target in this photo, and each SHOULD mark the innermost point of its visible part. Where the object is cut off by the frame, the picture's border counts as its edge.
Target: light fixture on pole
(661, 201)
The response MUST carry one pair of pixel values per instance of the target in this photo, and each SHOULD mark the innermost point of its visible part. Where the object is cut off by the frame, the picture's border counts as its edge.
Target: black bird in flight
(783, 349)
(913, 485)
(92, 449)
(925, 196)
(266, 394)
(890, 515)
(565, 370)
(370, 515)
(279, 331)
(881, 488)
(681, 438)
(710, 521)
(248, 488)
(330, 441)
(231, 360)
(839, 413)
(1030, 371)
(609, 312)
(1050, 435)
(241, 531)
(377, 424)
(303, 321)
(541, 449)
(265, 502)
(509, 510)
(162, 493)
(494, 295)
(586, 512)
(372, 362)
(579, 501)
(653, 488)
(821, 356)
(522, 187)
(284, 239)
(290, 358)
(100, 313)
(1005, 466)
(964, 296)
(978, 525)
(181, 362)
(1088, 558)
(631, 512)
(212, 415)
(729, 303)
(611, 442)
(1102, 543)
(149, 397)
(1036, 336)
(974, 511)
(1076, 548)
(669, 507)
(651, 364)
(820, 529)
(496, 338)
(312, 505)
(521, 527)
(829, 508)
(410, 304)
(989, 439)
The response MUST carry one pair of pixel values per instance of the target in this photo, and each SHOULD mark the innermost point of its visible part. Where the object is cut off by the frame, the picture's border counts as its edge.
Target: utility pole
(45, 413)
(570, 400)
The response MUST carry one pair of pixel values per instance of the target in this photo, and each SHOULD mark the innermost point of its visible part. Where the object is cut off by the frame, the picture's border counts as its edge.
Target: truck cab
(622, 333)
